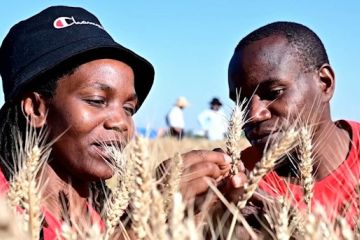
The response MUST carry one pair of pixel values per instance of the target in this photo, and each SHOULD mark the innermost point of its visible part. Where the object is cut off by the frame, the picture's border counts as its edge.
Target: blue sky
(191, 42)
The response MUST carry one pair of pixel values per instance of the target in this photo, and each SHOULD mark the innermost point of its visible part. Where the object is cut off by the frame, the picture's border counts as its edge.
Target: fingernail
(227, 158)
(236, 181)
(241, 166)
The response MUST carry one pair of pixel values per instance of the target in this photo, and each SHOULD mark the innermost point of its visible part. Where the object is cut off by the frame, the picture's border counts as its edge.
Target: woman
(61, 70)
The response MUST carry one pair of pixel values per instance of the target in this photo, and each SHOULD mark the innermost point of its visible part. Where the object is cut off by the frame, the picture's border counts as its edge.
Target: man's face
(268, 74)
(94, 104)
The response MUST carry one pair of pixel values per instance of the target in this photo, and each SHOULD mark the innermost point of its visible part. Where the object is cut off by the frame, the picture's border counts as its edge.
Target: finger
(241, 166)
(218, 150)
(238, 180)
(261, 196)
(203, 169)
(198, 186)
(197, 156)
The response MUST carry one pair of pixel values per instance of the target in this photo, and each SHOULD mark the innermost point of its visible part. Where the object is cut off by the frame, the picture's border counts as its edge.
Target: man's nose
(258, 110)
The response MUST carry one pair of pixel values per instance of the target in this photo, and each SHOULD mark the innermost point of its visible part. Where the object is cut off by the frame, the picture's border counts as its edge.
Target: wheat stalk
(282, 226)
(119, 201)
(306, 165)
(233, 137)
(317, 225)
(141, 198)
(158, 217)
(345, 230)
(172, 182)
(24, 189)
(266, 164)
(10, 221)
(66, 232)
(176, 220)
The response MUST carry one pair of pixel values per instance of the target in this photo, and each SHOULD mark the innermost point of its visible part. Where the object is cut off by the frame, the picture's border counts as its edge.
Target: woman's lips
(110, 151)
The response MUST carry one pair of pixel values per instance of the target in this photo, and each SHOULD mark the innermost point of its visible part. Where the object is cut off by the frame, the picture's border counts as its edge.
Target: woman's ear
(327, 81)
(35, 109)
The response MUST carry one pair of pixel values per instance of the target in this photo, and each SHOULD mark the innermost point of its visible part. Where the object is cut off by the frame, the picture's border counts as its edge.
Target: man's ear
(327, 81)
(35, 109)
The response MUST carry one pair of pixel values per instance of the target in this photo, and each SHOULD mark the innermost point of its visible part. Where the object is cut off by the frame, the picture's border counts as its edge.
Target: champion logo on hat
(63, 22)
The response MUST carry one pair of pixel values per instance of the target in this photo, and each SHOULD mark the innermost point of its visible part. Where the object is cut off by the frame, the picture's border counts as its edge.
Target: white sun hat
(182, 102)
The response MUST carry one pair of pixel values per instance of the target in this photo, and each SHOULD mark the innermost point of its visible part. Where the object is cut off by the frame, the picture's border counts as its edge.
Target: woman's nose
(118, 120)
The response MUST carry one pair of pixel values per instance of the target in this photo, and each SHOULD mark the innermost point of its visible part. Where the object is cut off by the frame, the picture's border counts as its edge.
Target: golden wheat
(141, 197)
(234, 135)
(306, 164)
(267, 163)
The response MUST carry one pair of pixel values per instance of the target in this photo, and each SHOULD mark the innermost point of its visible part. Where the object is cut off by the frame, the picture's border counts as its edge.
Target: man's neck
(331, 145)
(331, 148)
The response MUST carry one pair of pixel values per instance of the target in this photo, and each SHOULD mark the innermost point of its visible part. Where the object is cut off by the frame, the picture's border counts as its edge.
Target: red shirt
(333, 192)
(53, 225)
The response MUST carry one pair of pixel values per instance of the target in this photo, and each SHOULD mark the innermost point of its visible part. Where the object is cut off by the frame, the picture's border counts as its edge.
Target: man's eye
(278, 92)
(274, 94)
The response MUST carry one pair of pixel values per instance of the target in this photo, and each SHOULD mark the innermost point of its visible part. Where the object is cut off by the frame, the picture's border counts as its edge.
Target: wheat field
(144, 205)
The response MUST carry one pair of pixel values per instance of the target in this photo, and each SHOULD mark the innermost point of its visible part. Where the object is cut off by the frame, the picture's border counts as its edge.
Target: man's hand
(202, 166)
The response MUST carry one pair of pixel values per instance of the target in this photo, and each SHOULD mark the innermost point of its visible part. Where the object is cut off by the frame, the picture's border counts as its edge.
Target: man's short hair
(307, 45)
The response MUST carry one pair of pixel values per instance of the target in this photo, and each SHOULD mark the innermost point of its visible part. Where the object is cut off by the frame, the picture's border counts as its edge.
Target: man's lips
(262, 137)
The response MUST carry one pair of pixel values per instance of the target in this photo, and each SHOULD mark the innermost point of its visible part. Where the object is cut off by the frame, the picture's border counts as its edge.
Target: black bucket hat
(215, 101)
(54, 36)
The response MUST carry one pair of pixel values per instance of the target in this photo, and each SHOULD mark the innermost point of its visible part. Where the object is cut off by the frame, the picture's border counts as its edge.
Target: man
(284, 72)
(213, 121)
(175, 118)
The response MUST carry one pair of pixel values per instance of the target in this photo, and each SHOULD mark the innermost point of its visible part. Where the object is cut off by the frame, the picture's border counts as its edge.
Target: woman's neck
(61, 192)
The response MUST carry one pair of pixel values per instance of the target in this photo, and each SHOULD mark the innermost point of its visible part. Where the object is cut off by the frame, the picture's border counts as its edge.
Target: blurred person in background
(213, 121)
(175, 118)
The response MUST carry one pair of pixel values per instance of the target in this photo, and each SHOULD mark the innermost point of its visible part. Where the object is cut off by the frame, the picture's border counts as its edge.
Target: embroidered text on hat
(63, 22)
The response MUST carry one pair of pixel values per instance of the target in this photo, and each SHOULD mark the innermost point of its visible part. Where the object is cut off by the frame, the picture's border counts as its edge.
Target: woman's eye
(129, 110)
(96, 101)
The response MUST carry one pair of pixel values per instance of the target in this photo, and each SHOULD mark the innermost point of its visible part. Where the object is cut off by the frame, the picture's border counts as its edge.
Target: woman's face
(92, 105)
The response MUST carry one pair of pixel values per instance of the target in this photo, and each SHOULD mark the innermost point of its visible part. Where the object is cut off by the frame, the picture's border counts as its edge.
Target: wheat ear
(176, 221)
(233, 137)
(357, 219)
(66, 232)
(317, 225)
(31, 153)
(345, 230)
(266, 164)
(115, 208)
(306, 165)
(10, 222)
(141, 198)
(158, 217)
(172, 182)
(119, 201)
(282, 226)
